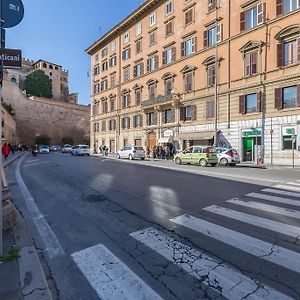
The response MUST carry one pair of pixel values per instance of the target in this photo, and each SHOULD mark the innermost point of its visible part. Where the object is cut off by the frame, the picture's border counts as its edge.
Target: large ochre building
(174, 71)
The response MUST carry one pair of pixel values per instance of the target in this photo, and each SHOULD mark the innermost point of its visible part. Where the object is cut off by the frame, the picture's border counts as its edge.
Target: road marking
(281, 192)
(288, 187)
(274, 199)
(110, 277)
(269, 208)
(212, 272)
(52, 246)
(275, 226)
(266, 251)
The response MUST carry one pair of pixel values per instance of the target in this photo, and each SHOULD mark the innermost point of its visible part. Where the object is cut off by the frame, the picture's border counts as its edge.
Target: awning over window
(205, 135)
(165, 140)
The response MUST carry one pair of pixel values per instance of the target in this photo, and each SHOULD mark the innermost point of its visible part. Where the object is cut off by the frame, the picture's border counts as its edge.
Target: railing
(157, 100)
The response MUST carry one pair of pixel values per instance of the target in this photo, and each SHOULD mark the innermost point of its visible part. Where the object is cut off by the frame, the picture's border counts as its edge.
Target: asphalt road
(114, 229)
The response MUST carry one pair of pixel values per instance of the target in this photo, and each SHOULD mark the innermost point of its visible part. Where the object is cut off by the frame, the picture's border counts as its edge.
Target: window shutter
(185, 82)
(174, 51)
(156, 61)
(278, 99)
(258, 102)
(163, 117)
(194, 112)
(123, 55)
(129, 52)
(182, 49)
(247, 61)
(155, 118)
(128, 101)
(173, 115)
(279, 7)
(205, 38)
(148, 65)
(253, 62)
(242, 104)
(194, 44)
(280, 55)
(164, 59)
(182, 113)
(298, 94)
(134, 71)
(141, 121)
(142, 68)
(219, 33)
(298, 45)
(242, 21)
(260, 13)
(128, 122)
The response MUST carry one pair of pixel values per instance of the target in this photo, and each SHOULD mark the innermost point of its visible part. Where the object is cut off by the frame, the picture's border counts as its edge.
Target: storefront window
(289, 138)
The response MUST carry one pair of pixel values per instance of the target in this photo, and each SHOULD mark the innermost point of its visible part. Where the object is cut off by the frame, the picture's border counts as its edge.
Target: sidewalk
(21, 274)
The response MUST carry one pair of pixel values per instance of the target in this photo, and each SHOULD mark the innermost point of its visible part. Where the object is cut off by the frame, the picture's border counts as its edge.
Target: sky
(59, 31)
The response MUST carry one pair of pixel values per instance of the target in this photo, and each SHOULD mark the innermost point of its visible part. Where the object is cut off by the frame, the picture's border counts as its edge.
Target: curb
(13, 159)
(33, 282)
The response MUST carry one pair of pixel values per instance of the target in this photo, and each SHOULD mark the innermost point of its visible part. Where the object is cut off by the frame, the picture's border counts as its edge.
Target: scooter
(35, 152)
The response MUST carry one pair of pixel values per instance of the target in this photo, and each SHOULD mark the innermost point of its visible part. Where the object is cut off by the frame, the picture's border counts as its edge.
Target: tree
(43, 140)
(67, 140)
(38, 84)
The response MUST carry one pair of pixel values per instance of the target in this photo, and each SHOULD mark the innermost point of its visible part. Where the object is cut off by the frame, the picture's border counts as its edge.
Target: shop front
(251, 144)
(205, 138)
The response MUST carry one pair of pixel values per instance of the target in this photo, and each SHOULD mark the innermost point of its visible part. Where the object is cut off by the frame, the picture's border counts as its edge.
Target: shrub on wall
(38, 84)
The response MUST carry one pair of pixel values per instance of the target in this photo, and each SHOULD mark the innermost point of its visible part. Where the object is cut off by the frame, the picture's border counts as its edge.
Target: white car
(131, 152)
(66, 148)
(228, 156)
(44, 149)
(81, 150)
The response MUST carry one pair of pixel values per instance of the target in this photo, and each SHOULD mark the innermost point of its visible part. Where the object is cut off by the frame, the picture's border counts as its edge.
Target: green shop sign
(253, 132)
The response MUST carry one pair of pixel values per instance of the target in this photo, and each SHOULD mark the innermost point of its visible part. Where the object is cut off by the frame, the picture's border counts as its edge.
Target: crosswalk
(275, 210)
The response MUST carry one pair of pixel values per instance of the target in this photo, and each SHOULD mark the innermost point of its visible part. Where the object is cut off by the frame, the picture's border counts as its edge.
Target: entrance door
(248, 149)
(152, 140)
(112, 146)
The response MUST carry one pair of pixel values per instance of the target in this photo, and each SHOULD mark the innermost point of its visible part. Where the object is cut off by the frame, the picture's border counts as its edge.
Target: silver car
(66, 148)
(228, 156)
(131, 152)
(81, 150)
(44, 149)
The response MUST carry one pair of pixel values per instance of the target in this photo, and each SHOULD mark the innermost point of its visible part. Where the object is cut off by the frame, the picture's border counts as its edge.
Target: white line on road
(275, 254)
(222, 277)
(268, 208)
(52, 246)
(274, 199)
(281, 192)
(288, 187)
(110, 277)
(275, 226)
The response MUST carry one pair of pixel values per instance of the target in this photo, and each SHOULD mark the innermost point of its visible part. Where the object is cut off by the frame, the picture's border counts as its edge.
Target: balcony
(160, 99)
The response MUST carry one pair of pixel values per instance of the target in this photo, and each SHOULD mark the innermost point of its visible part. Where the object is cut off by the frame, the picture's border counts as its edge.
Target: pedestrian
(5, 150)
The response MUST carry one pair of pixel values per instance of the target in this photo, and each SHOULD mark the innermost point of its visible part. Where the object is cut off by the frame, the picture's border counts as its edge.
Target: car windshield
(83, 147)
(138, 148)
(43, 147)
(67, 146)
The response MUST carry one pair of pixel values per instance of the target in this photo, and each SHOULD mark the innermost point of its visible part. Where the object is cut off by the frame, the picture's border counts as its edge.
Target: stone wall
(38, 116)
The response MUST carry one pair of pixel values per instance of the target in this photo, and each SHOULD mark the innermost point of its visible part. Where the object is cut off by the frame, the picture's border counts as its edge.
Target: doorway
(152, 141)
(250, 148)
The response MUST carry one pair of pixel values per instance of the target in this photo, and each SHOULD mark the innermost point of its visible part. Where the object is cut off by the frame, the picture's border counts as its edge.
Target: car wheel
(203, 162)
(130, 157)
(142, 158)
(118, 156)
(213, 165)
(178, 161)
(223, 162)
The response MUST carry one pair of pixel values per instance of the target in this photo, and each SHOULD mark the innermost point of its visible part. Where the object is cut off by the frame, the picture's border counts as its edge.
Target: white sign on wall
(168, 133)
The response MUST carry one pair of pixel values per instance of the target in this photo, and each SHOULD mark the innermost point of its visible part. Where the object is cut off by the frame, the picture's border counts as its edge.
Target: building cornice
(123, 25)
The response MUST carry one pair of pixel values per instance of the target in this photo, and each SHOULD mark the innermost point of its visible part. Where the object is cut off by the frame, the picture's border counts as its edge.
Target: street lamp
(216, 77)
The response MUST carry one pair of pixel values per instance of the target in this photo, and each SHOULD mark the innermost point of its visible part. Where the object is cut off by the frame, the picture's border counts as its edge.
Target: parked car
(44, 149)
(202, 155)
(66, 148)
(55, 148)
(81, 150)
(131, 152)
(228, 156)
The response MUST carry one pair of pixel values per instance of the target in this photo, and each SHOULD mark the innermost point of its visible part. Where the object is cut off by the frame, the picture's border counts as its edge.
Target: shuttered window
(288, 5)
(138, 46)
(211, 75)
(210, 109)
(287, 97)
(152, 63)
(252, 17)
(213, 35)
(169, 56)
(138, 97)
(188, 81)
(152, 38)
(250, 103)
(250, 63)
(189, 46)
(189, 16)
(168, 87)
(170, 28)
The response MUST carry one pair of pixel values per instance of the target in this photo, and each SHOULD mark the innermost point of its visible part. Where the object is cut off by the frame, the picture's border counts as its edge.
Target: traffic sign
(12, 12)
(12, 58)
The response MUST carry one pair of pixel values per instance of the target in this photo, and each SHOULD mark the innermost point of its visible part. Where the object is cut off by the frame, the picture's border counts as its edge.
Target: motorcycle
(35, 152)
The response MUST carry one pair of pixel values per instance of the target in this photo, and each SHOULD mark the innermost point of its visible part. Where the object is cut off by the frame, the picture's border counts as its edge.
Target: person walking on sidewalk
(5, 150)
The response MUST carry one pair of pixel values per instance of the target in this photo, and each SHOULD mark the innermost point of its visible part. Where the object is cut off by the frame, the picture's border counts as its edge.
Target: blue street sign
(12, 12)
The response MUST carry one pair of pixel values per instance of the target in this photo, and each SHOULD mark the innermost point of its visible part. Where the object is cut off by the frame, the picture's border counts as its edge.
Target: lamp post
(216, 77)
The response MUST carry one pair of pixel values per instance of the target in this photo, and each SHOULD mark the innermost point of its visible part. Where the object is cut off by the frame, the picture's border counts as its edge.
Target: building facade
(57, 75)
(201, 72)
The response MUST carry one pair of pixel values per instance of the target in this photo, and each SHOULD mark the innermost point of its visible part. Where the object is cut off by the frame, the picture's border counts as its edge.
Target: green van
(202, 155)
